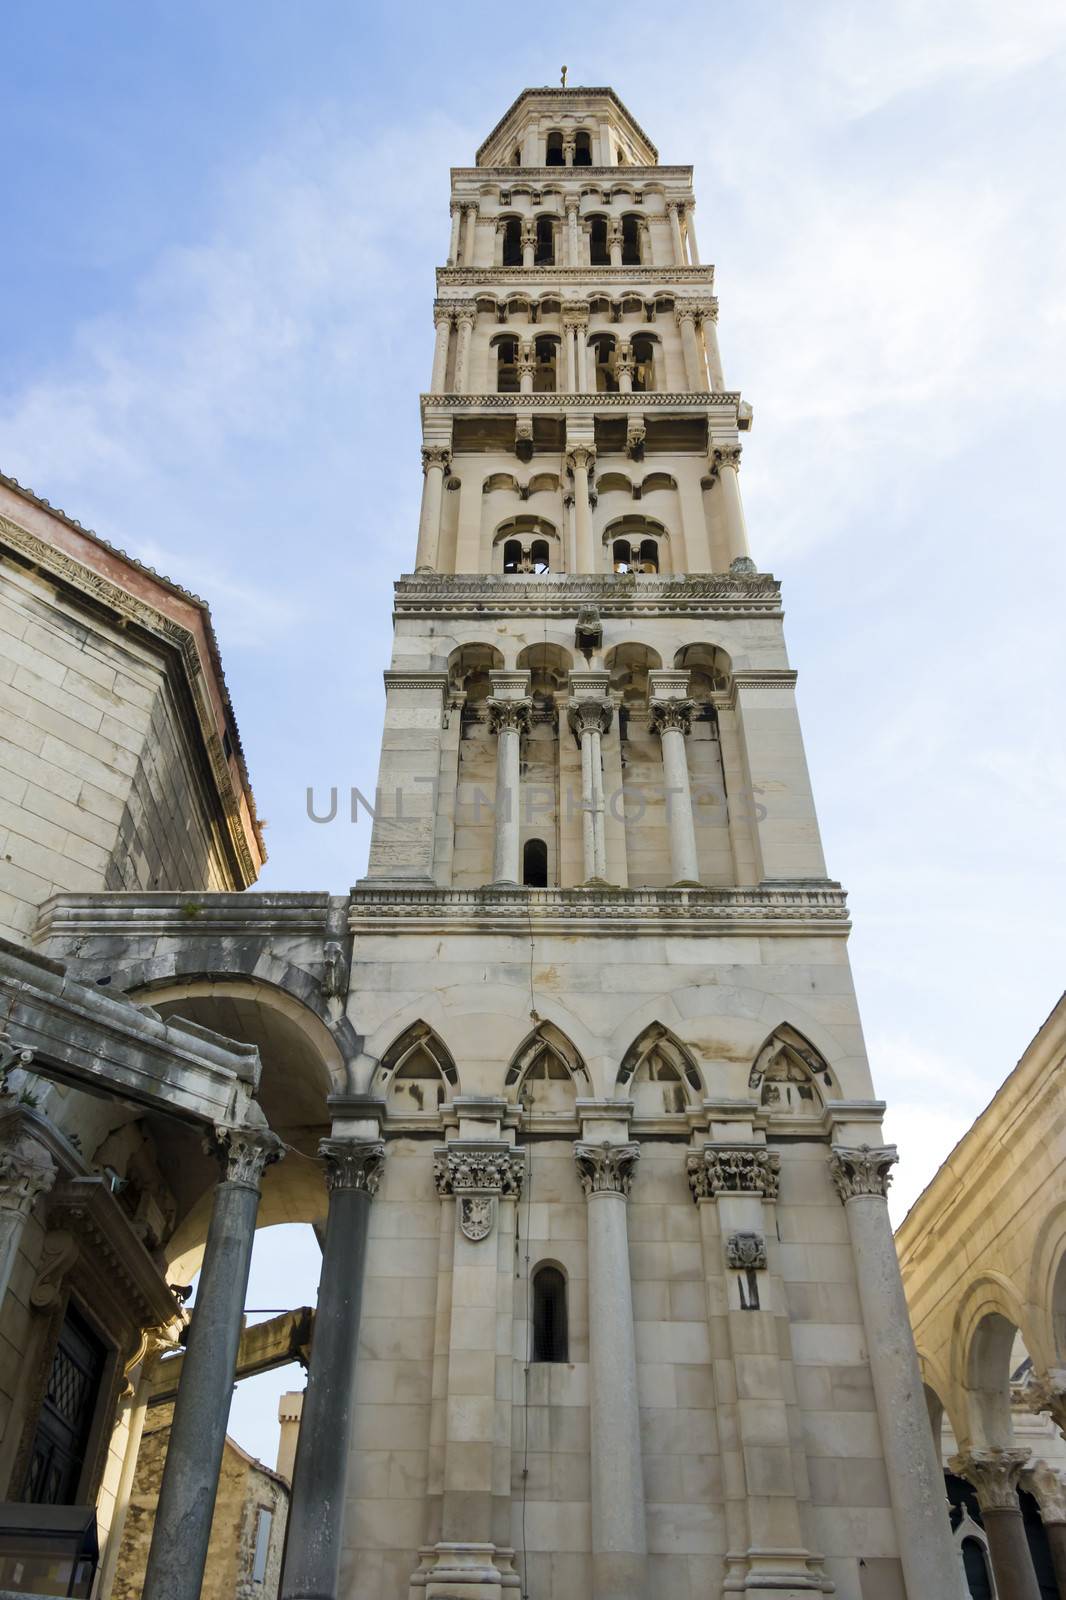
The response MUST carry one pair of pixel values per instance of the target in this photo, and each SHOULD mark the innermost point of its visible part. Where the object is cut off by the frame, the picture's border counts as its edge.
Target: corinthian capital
(1046, 1391)
(670, 714)
(517, 714)
(686, 311)
(726, 455)
(353, 1163)
(245, 1154)
(865, 1171)
(589, 716)
(733, 1169)
(993, 1473)
(436, 455)
(464, 312)
(1048, 1490)
(581, 455)
(478, 1169)
(606, 1168)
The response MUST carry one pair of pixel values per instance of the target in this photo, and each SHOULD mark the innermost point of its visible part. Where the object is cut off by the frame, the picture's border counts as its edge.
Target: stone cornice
(86, 1208)
(562, 595)
(818, 908)
(699, 400)
(143, 914)
(593, 276)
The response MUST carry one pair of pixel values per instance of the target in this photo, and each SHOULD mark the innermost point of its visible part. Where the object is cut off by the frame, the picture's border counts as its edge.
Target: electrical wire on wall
(526, 1100)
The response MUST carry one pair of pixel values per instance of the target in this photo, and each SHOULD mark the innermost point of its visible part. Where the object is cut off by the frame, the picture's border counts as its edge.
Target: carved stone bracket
(353, 1163)
(12, 1056)
(865, 1171)
(606, 1168)
(26, 1171)
(733, 1169)
(1046, 1391)
(479, 1169)
(666, 714)
(993, 1473)
(245, 1153)
(746, 1252)
(1048, 1489)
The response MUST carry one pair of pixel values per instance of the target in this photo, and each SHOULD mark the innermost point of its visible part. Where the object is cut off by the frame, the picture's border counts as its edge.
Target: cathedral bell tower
(632, 1321)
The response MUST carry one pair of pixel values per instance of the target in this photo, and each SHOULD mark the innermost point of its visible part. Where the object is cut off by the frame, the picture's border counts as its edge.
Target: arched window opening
(582, 150)
(648, 560)
(512, 242)
(526, 544)
(551, 1340)
(545, 373)
(544, 248)
(603, 349)
(516, 159)
(599, 255)
(540, 555)
(535, 864)
(507, 367)
(630, 241)
(643, 365)
(622, 556)
(554, 153)
(512, 556)
(975, 1566)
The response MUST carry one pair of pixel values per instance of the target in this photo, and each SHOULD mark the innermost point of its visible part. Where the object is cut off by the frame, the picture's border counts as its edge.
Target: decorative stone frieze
(1048, 1489)
(606, 1168)
(865, 1171)
(460, 1169)
(244, 1154)
(994, 1474)
(733, 1169)
(353, 1163)
(601, 400)
(746, 1252)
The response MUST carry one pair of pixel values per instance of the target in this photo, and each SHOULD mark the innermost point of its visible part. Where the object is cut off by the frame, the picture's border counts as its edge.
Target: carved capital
(733, 1169)
(244, 1154)
(1047, 1488)
(26, 1172)
(517, 714)
(580, 456)
(478, 1170)
(572, 202)
(353, 1163)
(1046, 1391)
(710, 310)
(746, 1252)
(685, 312)
(606, 1168)
(726, 455)
(589, 716)
(466, 314)
(436, 455)
(666, 714)
(993, 1473)
(866, 1171)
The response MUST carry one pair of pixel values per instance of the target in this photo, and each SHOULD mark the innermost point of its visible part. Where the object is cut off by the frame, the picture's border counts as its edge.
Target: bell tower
(632, 1320)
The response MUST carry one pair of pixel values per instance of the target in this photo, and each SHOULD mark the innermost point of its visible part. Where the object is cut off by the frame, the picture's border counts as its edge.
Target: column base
(776, 1574)
(465, 1572)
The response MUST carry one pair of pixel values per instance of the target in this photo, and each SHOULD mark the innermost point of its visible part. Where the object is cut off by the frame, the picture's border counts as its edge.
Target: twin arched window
(534, 557)
(629, 556)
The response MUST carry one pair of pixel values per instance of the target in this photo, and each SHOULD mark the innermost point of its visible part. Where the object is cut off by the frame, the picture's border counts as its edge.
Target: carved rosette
(746, 1252)
(516, 714)
(666, 714)
(436, 455)
(589, 716)
(353, 1163)
(733, 1169)
(994, 1474)
(606, 1168)
(1046, 1391)
(245, 1154)
(865, 1171)
(1048, 1490)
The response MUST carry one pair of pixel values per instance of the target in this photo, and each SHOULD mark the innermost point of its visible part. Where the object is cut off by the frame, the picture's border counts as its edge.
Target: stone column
(311, 1568)
(26, 1172)
(686, 322)
(619, 1538)
(469, 234)
(569, 147)
(442, 319)
(624, 367)
(178, 1553)
(573, 256)
(435, 461)
(1049, 1491)
(570, 351)
(527, 366)
(465, 319)
(674, 209)
(580, 459)
(690, 234)
(726, 464)
(453, 246)
(994, 1474)
(581, 341)
(915, 1481)
(671, 719)
(529, 243)
(589, 714)
(510, 711)
(614, 243)
(710, 344)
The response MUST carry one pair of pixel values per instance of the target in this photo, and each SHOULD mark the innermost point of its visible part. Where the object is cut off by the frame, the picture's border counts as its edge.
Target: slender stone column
(435, 461)
(570, 345)
(994, 1474)
(624, 367)
(453, 245)
(510, 711)
(1049, 1491)
(311, 1569)
(915, 1481)
(572, 248)
(619, 1538)
(671, 719)
(527, 366)
(582, 359)
(529, 243)
(589, 714)
(569, 147)
(26, 1172)
(690, 234)
(178, 1553)
(686, 321)
(469, 234)
(726, 461)
(442, 318)
(465, 319)
(579, 460)
(710, 343)
(674, 209)
(614, 243)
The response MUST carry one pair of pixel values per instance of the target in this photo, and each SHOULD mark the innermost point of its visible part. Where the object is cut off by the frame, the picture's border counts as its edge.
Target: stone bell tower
(632, 1322)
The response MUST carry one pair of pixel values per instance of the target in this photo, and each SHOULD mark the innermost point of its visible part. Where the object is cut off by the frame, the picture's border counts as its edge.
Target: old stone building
(572, 1083)
(983, 1254)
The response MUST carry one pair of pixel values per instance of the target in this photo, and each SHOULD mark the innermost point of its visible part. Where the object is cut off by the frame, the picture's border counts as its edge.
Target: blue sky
(215, 321)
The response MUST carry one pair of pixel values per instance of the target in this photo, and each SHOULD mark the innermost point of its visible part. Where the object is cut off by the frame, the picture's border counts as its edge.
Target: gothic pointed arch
(790, 1077)
(546, 1072)
(659, 1073)
(416, 1073)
